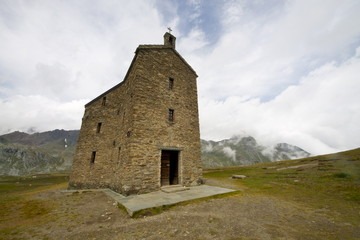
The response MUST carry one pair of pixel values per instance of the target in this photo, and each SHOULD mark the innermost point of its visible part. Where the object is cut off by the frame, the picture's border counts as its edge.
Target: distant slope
(244, 150)
(47, 152)
(38, 139)
(22, 160)
(53, 151)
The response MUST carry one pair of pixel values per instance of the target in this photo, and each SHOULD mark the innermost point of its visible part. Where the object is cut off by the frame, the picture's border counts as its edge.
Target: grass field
(19, 209)
(312, 198)
(330, 182)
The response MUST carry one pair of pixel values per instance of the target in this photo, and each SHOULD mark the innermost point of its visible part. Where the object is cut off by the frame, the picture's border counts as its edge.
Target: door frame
(179, 164)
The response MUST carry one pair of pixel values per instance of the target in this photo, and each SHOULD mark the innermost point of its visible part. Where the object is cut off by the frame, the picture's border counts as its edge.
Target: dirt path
(93, 215)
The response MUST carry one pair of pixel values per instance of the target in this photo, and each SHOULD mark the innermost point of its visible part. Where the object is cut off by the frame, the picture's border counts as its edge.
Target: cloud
(264, 51)
(81, 47)
(320, 114)
(230, 153)
(56, 54)
(282, 71)
(195, 40)
(26, 113)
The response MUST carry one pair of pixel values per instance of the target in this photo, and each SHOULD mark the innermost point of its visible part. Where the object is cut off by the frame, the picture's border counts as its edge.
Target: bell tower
(169, 40)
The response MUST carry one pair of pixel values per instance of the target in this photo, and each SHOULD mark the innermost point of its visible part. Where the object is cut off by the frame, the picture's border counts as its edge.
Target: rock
(238, 176)
(244, 150)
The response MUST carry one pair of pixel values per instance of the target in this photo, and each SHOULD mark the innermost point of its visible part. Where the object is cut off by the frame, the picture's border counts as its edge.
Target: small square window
(171, 115)
(171, 83)
(98, 129)
(93, 156)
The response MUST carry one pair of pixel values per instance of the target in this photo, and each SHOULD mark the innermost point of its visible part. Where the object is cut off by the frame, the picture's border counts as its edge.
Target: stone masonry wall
(152, 129)
(135, 127)
(110, 144)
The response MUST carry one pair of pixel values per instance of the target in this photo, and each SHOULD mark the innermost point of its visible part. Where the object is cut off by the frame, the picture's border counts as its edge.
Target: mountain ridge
(244, 150)
(53, 151)
(40, 138)
(45, 152)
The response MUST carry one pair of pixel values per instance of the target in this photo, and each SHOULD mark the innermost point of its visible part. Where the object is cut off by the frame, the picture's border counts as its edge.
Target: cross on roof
(170, 30)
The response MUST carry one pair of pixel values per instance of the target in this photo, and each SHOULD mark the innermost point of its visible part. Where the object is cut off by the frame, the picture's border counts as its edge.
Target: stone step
(174, 188)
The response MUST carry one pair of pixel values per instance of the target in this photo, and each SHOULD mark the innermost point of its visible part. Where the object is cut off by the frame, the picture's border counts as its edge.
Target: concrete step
(174, 188)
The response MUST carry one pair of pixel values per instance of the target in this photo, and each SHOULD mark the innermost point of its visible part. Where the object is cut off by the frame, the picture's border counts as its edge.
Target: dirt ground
(93, 215)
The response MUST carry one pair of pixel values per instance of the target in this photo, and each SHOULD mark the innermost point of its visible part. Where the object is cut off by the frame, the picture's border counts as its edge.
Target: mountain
(244, 150)
(22, 160)
(53, 151)
(38, 139)
(46, 152)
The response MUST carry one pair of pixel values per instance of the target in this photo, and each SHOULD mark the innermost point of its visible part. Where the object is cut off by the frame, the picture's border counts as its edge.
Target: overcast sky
(281, 71)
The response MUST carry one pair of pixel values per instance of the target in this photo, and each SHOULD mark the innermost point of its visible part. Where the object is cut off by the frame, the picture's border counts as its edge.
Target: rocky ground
(313, 198)
(93, 215)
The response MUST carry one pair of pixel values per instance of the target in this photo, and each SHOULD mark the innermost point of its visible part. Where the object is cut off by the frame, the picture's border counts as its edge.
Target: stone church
(143, 133)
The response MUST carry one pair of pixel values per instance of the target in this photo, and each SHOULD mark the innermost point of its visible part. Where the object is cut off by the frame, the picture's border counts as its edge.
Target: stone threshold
(173, 188)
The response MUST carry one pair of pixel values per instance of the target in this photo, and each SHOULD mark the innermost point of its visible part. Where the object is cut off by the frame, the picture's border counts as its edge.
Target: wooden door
(173, 176)
(165, 168)
(169, 167)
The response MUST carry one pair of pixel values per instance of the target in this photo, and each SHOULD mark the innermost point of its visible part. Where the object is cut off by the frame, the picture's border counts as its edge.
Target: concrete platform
(174, 188)
(171, 195)
(135, 203)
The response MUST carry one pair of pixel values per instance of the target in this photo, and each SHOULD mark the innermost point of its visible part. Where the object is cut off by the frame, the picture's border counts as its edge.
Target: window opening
(114, 143)
(98, 129)
(103, 101)
(171, 83)
(128, 133)
(93, 156)
(171, 115)
(119, 150)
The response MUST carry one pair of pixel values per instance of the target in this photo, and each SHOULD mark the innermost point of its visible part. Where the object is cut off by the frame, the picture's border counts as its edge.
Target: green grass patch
(152, 211)
(330, 181)
(122, 208)
(18, 209)
(341, 175)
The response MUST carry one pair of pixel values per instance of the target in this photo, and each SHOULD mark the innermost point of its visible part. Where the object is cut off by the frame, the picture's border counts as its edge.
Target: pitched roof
(153, 46)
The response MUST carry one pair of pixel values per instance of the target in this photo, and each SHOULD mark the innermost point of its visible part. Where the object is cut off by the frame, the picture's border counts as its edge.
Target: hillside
(69, 137)
(310, 198)
(244, 150)
(47, 152)
(52, 151)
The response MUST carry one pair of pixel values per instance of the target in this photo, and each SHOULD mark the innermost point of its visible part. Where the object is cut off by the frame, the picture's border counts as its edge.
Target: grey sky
(281, 71)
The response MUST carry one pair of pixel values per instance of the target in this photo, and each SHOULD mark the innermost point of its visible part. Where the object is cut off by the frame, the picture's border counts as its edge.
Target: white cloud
(283, 71)
(208, 147)
(320, 114)
(230, 153)
(195, 7)
(87, 47)
(195, 40)
(260, 55)
(40, 113)
(55, 53)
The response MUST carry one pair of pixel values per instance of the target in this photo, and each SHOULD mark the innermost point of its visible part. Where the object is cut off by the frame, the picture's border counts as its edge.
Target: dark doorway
(169, 167)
